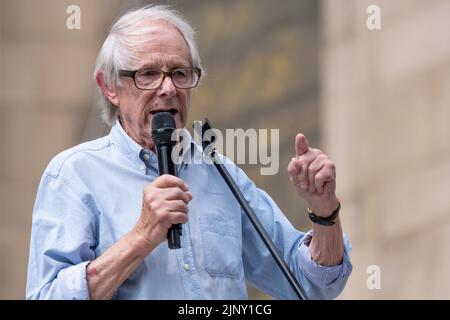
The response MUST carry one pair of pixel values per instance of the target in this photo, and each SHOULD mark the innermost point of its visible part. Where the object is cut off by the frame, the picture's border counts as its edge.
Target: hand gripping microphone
(163, 125)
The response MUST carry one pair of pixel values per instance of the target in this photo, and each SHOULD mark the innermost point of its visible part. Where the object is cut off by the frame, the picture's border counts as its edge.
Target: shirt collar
(135, 152)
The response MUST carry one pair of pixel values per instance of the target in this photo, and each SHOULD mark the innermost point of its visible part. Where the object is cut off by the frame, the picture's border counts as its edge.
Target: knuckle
(330, 165)
(151, 194)
(148, 199)
(313, 167)
(180, 193)
(179, 203)
(319, 177)
(291, 168)
(148, 190)
(303, 163)
(163, 215)
(157, 206)
(157, 215)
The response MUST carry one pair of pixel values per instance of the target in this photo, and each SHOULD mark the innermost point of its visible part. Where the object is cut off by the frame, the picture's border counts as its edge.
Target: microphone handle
(166, 166)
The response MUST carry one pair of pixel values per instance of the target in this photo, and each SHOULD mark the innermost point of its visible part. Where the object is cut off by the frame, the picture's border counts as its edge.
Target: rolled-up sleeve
(318, 282)
(63, 237)
(328, 281)
(72, 282)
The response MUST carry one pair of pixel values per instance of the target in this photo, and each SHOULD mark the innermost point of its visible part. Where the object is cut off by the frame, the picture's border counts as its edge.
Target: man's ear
(110, 93)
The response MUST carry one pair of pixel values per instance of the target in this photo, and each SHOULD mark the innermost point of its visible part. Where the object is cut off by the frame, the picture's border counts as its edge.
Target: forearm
(106, 273)
(327, 244)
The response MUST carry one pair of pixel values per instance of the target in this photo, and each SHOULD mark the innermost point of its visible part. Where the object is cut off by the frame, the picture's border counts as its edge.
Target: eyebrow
(156, 65)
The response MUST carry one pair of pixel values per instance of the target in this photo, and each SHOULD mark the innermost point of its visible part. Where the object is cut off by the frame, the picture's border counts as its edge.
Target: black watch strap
(328, 221)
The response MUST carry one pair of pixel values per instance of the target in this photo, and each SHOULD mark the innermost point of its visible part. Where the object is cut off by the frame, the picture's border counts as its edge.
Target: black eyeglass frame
(132, 74)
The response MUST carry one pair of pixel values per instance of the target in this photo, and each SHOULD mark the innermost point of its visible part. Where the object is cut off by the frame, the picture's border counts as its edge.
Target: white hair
(126, 34)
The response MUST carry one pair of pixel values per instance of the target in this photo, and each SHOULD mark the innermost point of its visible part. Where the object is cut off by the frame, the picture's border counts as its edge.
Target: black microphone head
(163, 124)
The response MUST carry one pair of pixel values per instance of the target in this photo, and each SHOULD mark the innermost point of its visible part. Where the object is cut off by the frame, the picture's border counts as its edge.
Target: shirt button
(186, 267)
(143, 167)
(146, 156)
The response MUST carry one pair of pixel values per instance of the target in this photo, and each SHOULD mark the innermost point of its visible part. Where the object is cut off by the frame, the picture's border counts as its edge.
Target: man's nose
(167, 87)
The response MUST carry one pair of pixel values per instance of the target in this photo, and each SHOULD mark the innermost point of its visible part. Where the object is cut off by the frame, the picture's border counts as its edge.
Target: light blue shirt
(90, 196)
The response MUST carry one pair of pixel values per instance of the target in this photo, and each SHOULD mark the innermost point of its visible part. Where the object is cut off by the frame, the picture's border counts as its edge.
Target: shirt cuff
(323, 276)
(72, 282)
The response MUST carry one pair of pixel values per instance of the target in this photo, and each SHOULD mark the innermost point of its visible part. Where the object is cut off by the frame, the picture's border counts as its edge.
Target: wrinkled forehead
(158, 42)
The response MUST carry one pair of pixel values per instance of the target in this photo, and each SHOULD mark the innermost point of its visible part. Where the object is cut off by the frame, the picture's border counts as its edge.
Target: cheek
(139, 104)
(184, 98)
(125, 99)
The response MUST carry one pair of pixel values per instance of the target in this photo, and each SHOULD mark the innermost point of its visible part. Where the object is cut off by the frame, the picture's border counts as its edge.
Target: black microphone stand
(251, 214)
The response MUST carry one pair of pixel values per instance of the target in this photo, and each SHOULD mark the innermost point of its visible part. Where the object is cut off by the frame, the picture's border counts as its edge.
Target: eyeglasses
(150, 79)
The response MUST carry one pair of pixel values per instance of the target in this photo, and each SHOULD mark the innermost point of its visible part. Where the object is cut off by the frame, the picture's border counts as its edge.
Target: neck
(145, 142)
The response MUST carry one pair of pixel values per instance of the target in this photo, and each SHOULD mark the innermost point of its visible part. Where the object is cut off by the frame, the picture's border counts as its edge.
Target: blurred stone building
(377, 101)
(385, 118)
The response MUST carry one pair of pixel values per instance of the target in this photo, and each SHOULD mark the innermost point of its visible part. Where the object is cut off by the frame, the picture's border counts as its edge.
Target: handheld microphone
(163, 125)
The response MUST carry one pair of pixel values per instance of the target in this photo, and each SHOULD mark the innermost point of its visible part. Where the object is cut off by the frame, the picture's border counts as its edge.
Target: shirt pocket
(221, 241)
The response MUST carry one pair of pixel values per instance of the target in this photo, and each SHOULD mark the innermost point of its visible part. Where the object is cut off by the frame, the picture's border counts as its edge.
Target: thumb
(301, 144)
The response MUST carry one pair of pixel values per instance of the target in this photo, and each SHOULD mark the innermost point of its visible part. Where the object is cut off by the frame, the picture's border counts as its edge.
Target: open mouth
(173, 111)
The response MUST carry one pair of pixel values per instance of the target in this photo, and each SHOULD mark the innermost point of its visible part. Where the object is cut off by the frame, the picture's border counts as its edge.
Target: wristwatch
(328, 221)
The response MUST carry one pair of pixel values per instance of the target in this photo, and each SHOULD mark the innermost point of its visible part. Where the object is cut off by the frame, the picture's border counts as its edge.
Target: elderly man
(102, 213)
